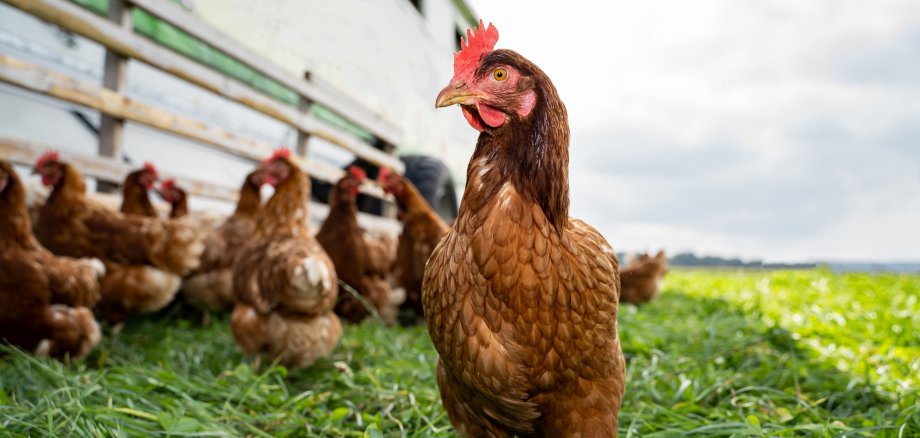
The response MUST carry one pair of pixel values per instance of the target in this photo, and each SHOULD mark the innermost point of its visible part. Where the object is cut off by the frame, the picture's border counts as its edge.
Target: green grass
(720, 354)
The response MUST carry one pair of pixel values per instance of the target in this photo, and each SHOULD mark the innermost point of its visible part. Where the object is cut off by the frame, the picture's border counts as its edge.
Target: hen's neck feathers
(180, 208)
(71, 186)
(343, 210)
(15, 225)
(287, 210)
(250, 200)
(410, 199)
(135, 198)
(414, 207)
(532, 153)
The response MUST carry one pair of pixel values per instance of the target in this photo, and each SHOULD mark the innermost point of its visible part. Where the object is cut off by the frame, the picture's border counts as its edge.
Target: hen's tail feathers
(75, 333)
(296, 341)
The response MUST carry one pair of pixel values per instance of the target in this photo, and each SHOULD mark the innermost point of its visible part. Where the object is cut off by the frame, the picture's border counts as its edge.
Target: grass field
(722, 353)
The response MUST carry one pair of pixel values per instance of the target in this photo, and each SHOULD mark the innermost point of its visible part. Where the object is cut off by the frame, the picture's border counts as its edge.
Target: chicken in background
(176, 197)
(422, 230)
(640, 280)
(145, 257)
(520, 299)
(46, 299)
(356, 263)
(284, 283)
(135, 199)
(210, 287)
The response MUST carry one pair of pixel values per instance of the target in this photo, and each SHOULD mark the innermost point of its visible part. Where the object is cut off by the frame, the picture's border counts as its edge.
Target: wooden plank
(343, 105)
(76, 19)
(106, 169)
(25, 153)
(41, 80)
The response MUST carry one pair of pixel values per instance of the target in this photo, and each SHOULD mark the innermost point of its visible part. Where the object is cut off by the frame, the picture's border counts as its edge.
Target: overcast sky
(785, 130)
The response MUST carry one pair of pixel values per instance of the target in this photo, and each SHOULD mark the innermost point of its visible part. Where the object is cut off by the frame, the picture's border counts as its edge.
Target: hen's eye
(500, 74)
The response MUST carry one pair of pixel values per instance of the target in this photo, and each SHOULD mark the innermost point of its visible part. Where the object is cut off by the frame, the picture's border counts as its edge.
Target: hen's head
(6, 174)
(50, 168)
(278, 167)
(147, 176)
(491, 86)
(170, 192)
(351, 181)
(391, 182)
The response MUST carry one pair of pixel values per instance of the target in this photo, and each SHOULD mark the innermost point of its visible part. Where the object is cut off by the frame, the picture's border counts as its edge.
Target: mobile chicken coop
(207, 88)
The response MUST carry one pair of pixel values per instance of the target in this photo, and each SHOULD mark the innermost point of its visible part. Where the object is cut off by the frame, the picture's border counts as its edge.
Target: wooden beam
(111, 129)
(303, 138)
(76, 19)
(47, 82)
(25, 153)
(335, 101)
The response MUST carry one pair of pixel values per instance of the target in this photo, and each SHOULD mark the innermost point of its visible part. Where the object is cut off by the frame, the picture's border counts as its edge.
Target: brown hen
(284, 283)
(520, 299)
(640, 280)
(422, 230)
(353, 254)
(176, 196)
(46, 299)
(135, 199)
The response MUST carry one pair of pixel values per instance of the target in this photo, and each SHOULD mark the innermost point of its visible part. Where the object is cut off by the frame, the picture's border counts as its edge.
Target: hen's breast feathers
(518, 308)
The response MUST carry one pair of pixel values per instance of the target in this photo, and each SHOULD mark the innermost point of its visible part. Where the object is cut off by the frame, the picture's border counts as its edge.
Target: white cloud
(775, 129)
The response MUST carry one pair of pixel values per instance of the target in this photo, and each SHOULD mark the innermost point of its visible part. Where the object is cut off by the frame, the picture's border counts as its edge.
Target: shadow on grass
(700, 366)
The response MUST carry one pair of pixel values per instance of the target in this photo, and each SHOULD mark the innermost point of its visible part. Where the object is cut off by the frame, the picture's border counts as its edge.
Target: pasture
(721, 353)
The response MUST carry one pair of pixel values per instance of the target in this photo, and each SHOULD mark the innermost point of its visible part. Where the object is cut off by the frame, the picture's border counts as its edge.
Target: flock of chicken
(262, 262)
(520, 300)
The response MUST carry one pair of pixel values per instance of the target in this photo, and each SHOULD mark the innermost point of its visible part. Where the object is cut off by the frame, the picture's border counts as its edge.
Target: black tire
(433, 180)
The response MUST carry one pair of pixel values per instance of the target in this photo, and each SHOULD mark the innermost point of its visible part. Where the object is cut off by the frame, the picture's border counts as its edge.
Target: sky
(779, 130)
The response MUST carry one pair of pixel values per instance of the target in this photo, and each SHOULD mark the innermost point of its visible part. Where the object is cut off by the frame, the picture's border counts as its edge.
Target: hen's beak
(455, 93)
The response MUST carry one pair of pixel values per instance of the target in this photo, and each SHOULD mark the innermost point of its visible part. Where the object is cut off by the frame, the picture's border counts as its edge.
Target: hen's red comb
(357, 172)
(477, 44)
(168, 185)
(46, 158)
(150, 168)
(384, 174)
(281, 152)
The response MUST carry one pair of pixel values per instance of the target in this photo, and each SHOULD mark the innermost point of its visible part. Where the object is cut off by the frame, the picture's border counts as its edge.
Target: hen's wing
(297, 275)
(283, 271)
(492, 392)
(586, 403)
(73, 282)
(165, 244)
